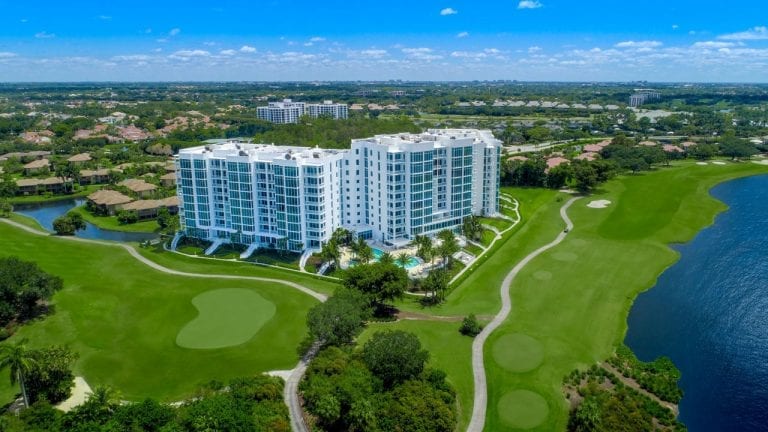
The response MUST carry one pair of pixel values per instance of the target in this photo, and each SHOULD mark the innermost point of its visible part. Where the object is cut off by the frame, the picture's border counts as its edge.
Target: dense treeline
(246, 404)
(386, 386)
(329, 133)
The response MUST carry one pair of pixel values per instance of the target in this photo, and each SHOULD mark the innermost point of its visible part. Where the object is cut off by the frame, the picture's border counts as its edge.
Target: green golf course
(151, 334)
(570, 304)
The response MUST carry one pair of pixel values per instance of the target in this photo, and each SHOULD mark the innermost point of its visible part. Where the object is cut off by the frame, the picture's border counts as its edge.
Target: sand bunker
(701, 163)
(80, 393)
(762, 162)
(718, 163)
(599, 204)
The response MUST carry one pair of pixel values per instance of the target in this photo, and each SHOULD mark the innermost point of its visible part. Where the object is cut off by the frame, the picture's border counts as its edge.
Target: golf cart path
(479, 407)
(146, 261)
(290, 394)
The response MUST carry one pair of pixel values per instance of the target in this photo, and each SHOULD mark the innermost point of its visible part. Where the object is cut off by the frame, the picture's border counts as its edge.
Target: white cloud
(529, 4)
(227, 52)
(469, 55)
(425, 54)
(639, 44)
(131, 57)
(534, 49)
(162, 40)
(147, 30)
(675, 26)
(448, 11)
(247, 49)
(174, 32)
(369, 54)
(7, 55)
(462, 34)
(755, 33)
(713, 44)
(210, 43)
(105, 17)
(189, 54)
(44, 35)
(317, 39)
(493, 51)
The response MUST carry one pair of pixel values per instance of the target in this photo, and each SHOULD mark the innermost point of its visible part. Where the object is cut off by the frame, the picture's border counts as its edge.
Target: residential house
(147, 209)
(99, 176)
(168, 180)
(37, 166)
(140, 187)
(80, 159)
(108, 202)
(53, 185)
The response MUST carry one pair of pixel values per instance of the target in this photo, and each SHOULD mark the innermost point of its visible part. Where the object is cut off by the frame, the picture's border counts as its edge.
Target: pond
(45, 213)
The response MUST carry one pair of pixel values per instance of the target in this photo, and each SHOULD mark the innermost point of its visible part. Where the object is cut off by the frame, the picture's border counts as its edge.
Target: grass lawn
(474, 250)
(571, 303)
(478, 292)
(33, 199)
(449, 351)
(487, 237)
(500, 224)
(124, 318)
(111, 223)
(241, 268)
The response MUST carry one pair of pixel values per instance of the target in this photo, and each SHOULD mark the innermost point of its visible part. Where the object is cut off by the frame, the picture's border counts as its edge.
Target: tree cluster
(246, 404)
(384, 387)
(24, 288)
(68, 224)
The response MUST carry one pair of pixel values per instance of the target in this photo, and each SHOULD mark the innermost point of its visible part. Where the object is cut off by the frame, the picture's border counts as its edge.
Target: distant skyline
(529, 40)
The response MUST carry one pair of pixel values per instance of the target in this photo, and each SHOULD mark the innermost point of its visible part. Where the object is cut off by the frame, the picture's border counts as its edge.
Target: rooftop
(39, 163)
(82, 157)
(108, 197)
(138, 185)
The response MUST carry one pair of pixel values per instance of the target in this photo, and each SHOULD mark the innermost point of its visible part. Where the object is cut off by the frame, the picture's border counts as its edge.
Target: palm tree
(364, 252)
(330, 252)
(18, 359)
(402, 258)
(448, 247)
(386, 258)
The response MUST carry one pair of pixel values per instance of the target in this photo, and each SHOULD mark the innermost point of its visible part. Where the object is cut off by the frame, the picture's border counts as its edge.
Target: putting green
(565, 256)
(227, 317)
(518, 353)
(523, 409)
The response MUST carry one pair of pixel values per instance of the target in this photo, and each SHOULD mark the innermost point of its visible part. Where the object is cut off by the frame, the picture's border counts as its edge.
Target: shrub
(470, 326)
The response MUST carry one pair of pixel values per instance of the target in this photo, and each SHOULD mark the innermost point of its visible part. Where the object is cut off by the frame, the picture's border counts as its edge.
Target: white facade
(389, 188)
(286, 197)
(328, 108)
(283, 112)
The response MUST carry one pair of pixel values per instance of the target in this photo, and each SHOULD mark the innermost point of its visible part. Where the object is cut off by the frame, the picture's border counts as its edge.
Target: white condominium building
(328, 108)
(288, 111)
(400, 186)
(285, 197)
(283, 112)
(389, 188)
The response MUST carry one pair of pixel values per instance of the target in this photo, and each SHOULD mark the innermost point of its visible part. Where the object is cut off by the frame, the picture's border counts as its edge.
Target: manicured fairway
(123, 318)
(574, 299)
(227, 317)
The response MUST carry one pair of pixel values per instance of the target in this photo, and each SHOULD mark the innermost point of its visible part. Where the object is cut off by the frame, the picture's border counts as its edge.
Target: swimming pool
(411, 263)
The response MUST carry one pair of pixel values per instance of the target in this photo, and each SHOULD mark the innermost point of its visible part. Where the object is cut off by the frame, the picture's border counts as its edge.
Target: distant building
(328, 108)
(643, 96)
(283, 112)
(288, 111)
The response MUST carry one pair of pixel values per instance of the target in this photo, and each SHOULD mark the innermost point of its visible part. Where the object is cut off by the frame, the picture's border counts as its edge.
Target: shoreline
(667, 344)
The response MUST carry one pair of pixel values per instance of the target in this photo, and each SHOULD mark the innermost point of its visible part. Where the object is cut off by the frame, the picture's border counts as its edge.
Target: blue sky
(553, 40)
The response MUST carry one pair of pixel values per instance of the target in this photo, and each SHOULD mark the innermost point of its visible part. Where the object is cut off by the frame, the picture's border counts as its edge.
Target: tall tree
(394, 356)
(448, 246)
(19, 361)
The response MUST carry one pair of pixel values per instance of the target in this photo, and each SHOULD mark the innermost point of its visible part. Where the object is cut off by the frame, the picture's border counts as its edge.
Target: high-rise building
(328, 108)
(389, 188)
(288, 111)
(283, 112)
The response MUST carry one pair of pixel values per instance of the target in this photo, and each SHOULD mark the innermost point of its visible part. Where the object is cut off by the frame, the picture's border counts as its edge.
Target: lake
(45, 213)
(709, 314)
